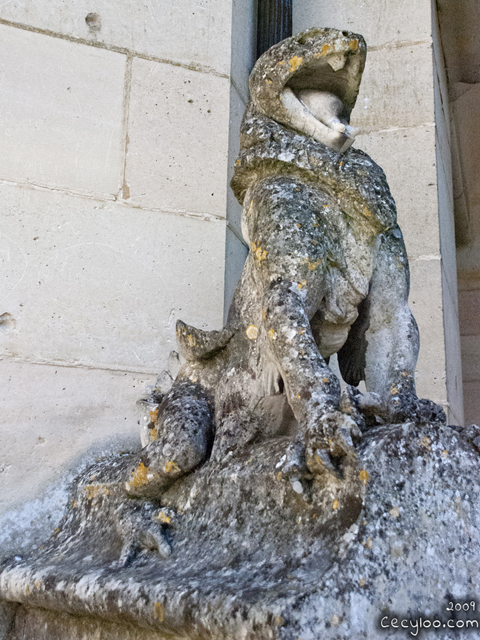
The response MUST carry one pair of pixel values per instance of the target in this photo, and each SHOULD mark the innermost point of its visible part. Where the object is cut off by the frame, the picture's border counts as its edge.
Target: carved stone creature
(327, 273)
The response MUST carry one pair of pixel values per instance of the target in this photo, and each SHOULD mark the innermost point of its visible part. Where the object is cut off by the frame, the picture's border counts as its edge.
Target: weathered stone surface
(178, 128)
(192, 34)
(397, 89)
(382, 22)
(256, 556)
(80, 275)
(67, 414)
(61, 106)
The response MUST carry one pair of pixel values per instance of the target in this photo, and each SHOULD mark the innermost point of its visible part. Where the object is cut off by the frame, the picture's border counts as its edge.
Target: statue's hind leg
(184, 439)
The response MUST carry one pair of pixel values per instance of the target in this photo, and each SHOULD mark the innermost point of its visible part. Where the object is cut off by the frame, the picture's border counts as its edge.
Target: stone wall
(404, 129)
(116, 132)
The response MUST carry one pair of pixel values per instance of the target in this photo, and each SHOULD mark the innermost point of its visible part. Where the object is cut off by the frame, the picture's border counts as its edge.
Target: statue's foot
(329, 438)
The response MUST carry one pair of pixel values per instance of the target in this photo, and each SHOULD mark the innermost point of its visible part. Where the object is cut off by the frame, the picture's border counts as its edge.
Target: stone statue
(267, 504)
(327, 273)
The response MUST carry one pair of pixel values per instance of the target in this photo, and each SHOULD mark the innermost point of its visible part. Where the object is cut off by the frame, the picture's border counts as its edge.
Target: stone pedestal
(250, 554)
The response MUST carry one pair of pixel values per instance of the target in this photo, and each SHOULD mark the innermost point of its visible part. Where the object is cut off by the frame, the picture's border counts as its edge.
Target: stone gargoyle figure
(327, 273)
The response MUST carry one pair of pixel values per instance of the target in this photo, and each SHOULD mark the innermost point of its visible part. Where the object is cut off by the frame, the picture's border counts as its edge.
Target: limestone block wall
(404, 129)
(117, 121)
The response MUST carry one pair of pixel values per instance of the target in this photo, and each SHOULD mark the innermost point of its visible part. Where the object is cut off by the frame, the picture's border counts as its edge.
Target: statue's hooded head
(298, 76)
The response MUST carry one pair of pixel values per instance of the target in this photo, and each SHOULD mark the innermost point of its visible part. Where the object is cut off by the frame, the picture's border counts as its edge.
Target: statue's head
(310, 83)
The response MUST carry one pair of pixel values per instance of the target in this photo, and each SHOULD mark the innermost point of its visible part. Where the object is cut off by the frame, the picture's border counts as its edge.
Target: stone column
(401, 110)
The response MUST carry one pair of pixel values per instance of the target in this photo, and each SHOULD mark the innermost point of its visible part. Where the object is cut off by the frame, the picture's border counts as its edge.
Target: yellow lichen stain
(394, 390)
(425, 442)
(314, 265)
(335, 620)
(341, 163)
(394, 512)
(95, 490)
(154, 415)
(259, 253)
(326, 48)
(444, 453)
(75, 504)
(353, 45)
(302, 284)
(237, 162)
(158, 611)
(252, 332)
(295, 62)
(139, 476)
(299, 225)
(278, 621)
(363, 475)
(153, 434)
(279, 475)
(191, 340)
(335, 504)
(171, 467)
(367, 212)
(162, 517)
(271, 334)
(281, 63)
(326, 379)
(362, 582)
(301, 332)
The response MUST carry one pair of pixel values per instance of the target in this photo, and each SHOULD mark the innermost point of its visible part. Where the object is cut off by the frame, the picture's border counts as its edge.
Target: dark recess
(274, 23)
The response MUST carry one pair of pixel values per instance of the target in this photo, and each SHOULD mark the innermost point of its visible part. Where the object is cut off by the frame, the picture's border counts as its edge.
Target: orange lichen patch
(162, 517)
(362, 582)
(171, 467)
(425, 442)
(154, 415)
(259, 253)
(299, 225)
(279, 475)
(252, 332)
(271, 334)
(153, 434)
(74, 505)
(444, 453)
(325, 49)
(395, 513)
(95, 490)
(158, 611)
(353, 45)
(302, 284)
(191, 340)
(139, 476)
(335, 504)
(295, 62)
(363, 475)
(237, 162)
(326, 379)
(367, 212)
